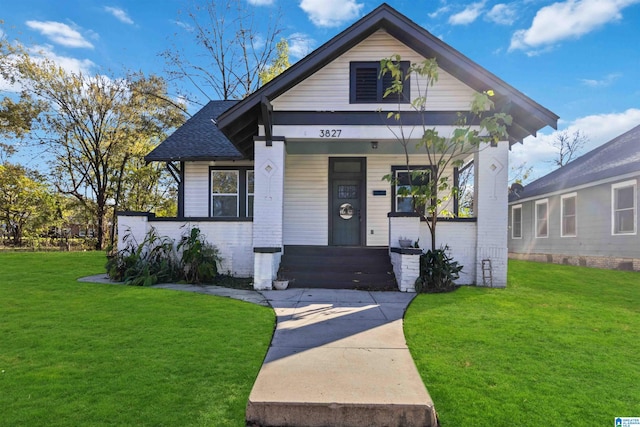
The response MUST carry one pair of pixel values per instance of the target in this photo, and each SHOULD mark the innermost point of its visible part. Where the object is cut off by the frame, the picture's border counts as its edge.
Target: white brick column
(491, 209)
(268, 209)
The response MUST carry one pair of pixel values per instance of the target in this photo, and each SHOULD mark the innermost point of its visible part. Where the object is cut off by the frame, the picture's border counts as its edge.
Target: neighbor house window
(403, 180)
(368, 86)
(624, 212)
(568, 215)
(542, 218)
(516, 222)
(232, 192)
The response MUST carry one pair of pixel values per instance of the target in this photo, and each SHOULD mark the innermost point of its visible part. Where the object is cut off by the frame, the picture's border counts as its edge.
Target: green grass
(559, 346)
(77, 354)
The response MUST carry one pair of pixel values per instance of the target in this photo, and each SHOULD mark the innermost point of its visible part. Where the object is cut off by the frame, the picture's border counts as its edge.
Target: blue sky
(578, 58)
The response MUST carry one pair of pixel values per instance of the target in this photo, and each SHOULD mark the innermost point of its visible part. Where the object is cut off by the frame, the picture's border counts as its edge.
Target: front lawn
(559, 346)
(79, 354)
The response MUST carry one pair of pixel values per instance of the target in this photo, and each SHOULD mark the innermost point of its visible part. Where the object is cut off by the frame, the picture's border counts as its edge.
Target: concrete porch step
(334, 267)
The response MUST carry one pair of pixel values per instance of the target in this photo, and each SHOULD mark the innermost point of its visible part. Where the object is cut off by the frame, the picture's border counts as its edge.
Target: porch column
(491, 209)
(268, 210)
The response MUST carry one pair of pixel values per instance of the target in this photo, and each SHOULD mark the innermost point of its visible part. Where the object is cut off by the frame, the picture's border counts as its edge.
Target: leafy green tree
(27, 206)
(279, 64)
(92, 125)
(431, 190)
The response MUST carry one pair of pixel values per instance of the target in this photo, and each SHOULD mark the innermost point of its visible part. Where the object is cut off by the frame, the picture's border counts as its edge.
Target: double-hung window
(232, 192)
(403, 181)
(624, 207)
(368, 86)
(516, 222)
(568, 215)
(542, 218)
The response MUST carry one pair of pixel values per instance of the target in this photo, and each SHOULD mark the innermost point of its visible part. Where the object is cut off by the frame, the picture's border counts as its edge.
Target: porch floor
(339, 358)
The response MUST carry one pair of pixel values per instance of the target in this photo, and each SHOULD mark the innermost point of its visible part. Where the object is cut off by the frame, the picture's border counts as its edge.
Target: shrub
(199, 259)
(438, 271)
(155, 260)
(145, 264)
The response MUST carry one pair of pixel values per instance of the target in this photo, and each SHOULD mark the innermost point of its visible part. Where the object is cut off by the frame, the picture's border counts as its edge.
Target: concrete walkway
(339, 358)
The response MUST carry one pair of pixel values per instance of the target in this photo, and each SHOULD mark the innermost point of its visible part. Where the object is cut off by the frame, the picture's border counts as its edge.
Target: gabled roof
(617, 157)
(240, 122)
(199, 138)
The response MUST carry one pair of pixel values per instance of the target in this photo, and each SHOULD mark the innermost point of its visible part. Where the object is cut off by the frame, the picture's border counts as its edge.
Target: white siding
(328, 89)
(196, 189)
(306, 194)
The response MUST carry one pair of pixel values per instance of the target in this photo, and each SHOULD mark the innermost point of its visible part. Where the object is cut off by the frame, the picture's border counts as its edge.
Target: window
(516, 222)
(232, 192)
(624, 216)
(401, 186)
(542, 218)
(368, 86)
(568, 215)
(224, 191)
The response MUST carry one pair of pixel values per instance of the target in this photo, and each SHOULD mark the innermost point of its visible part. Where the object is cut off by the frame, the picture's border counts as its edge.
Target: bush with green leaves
(199, 259)
(438, 272)
(144, 264)
(155, 260)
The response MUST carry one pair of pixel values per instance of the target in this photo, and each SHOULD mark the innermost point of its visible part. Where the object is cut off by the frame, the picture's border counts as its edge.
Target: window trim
(630, 183)
(380, 99)
(394, 171)
(573, 195)
(513, 209)
(253, 194)
(546, 219)
(242, 197)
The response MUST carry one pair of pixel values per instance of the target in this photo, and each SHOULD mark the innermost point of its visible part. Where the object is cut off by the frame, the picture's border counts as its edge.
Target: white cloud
(439, 11)
(119, 14)
(331, 13)
(468, 15)
(69, 64)
(260, 2)
(598, 128)
(566, 20)
(60, 33)
(604, 82)
(503, 14)
(300, 45)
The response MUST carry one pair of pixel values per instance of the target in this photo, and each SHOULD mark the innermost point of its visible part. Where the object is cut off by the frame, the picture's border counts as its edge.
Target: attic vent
(366, 85)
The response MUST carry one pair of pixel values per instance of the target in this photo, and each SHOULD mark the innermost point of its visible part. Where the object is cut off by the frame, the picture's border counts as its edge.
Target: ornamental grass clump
(155, 260)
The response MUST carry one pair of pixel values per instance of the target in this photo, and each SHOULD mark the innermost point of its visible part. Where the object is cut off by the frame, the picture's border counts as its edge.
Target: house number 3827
(330, 133)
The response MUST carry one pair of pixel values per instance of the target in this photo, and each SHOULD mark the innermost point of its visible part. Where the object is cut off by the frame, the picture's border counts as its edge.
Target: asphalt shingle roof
(617, 157)
(198, 138)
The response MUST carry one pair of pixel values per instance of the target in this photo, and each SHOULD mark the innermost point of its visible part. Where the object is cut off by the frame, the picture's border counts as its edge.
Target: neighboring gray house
(291, 177)
(585, 213)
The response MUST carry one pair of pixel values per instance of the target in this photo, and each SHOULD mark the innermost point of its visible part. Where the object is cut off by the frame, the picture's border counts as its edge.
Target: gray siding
(594, 230)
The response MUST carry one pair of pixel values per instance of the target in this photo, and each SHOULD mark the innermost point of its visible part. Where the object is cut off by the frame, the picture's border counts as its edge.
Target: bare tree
(233, 51)
(568, 146)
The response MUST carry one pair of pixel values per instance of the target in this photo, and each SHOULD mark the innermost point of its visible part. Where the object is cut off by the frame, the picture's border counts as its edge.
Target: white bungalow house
(298, 166)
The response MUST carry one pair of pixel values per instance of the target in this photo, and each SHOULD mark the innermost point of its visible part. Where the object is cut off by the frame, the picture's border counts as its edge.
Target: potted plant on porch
(281, 282)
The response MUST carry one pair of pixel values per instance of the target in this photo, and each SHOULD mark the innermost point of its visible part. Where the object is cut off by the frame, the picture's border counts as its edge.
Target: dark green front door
(347, 201)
